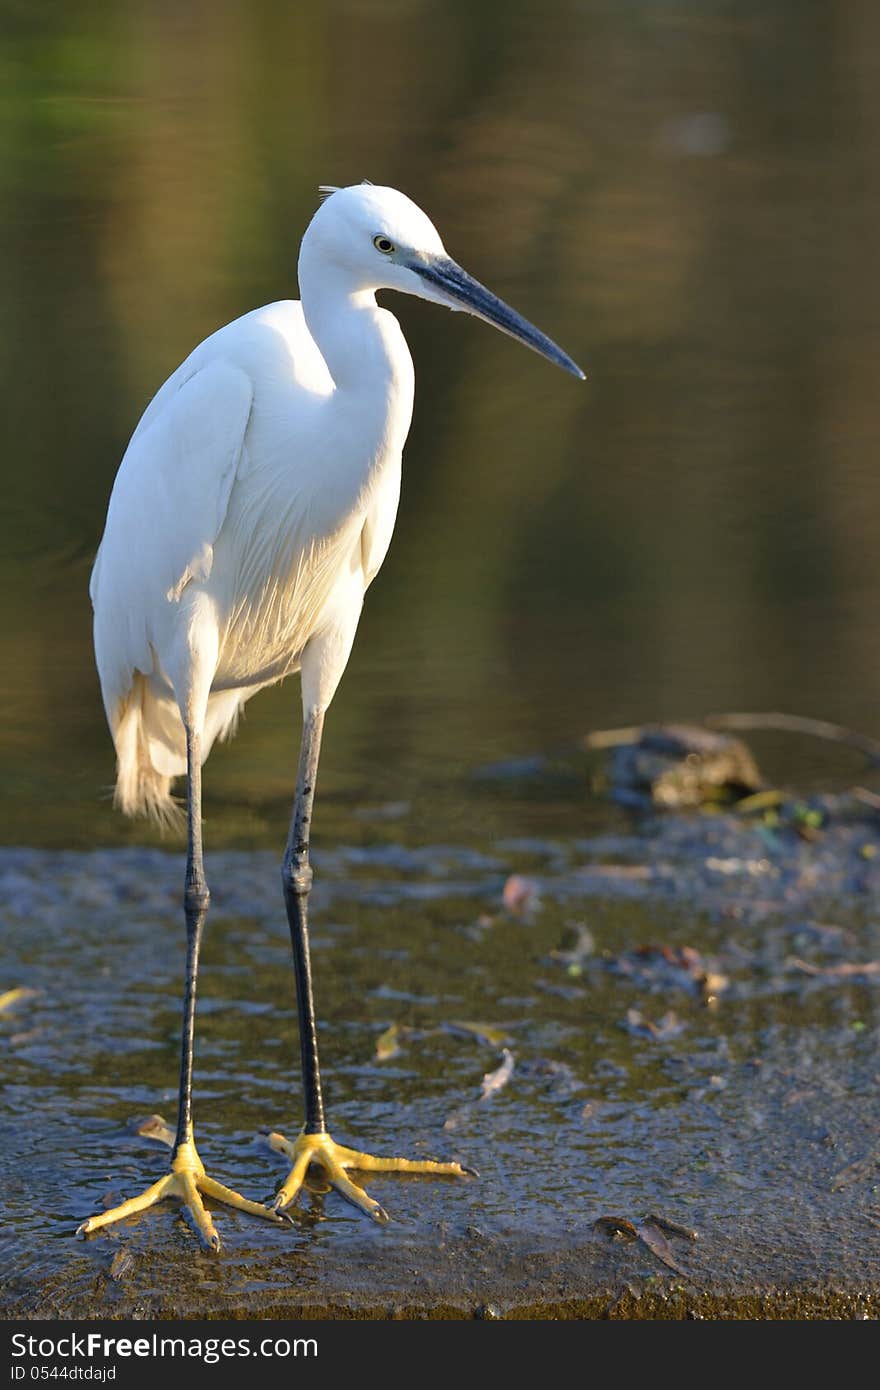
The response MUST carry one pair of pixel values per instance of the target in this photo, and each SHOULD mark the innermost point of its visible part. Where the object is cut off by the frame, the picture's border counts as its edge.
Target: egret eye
(382, 244)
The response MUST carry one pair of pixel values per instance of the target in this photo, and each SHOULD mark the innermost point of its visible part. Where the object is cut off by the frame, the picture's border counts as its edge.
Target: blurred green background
(684, 194)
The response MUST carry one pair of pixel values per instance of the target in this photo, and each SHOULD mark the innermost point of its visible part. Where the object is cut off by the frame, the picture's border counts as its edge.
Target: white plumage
(253, 507)
(257, 497)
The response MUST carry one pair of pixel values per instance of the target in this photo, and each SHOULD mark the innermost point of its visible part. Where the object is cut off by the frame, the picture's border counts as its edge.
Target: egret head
(379, 239)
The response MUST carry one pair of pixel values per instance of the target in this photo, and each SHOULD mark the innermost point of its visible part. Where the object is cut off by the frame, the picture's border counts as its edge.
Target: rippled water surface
(680, 1020)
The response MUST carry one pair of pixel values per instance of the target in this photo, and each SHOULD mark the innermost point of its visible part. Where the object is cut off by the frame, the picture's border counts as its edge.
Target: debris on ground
(616, 1227)
(519, 895)
(661, 966)
(669, 1026)
(388, 1044)
(121, 1265)
(672, 1228)
(653, 1237)
(10, 997)
(155, 1127)
(494, 1080)
(846, 970)
(651, 1231)
(676, 765)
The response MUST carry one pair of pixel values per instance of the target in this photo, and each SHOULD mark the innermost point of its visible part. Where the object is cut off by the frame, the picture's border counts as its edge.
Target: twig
(799, 724)
(867, 798)
(843, 971)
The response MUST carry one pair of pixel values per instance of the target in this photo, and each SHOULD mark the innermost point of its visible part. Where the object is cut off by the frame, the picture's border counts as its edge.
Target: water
(748, 1119)
(686, 197)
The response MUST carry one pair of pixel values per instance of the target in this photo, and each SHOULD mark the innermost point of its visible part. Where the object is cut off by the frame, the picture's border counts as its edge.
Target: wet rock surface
(680, 1015)
(680, 765)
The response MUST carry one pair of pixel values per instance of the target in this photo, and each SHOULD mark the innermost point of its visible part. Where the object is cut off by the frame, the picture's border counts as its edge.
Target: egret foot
(187, 1181)
(334, 1159)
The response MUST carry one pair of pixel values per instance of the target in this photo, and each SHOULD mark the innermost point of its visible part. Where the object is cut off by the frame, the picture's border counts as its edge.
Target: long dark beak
(465, 292)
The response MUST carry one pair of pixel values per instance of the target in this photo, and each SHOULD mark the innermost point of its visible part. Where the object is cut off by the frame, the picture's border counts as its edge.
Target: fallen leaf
(494, 1080)
(651, 1235)
(154, 1127)
(616, 1227)
(388, 1044)
(15, 996)
(519, 894)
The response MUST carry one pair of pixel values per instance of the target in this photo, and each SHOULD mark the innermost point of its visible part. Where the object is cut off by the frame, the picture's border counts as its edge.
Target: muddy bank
(689, 1003)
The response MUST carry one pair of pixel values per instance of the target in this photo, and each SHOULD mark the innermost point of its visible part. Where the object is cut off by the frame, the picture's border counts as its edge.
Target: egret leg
(296, 876)
(314, 1146)
(187, 1179)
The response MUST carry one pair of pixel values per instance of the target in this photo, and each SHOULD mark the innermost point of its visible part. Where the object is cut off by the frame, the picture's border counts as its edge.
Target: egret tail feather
(150, 748)
(141, 789)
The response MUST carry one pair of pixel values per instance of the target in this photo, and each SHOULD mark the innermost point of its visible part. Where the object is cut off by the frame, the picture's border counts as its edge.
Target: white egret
(253, 507)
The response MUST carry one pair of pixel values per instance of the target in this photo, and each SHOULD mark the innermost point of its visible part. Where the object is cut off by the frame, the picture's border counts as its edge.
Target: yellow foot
(334, 1159)
(187, 1181)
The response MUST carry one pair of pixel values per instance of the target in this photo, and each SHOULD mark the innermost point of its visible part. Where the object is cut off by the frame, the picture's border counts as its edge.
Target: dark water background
(685, 195)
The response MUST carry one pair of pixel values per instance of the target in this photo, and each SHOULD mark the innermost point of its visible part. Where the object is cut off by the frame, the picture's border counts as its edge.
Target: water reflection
(685, 195)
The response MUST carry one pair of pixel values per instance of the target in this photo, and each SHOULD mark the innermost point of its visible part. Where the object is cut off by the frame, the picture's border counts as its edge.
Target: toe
(201, 1219)
(221, 1193)
(369, 1163)
(163, 1188)
(289, 1191)
(356, 1195)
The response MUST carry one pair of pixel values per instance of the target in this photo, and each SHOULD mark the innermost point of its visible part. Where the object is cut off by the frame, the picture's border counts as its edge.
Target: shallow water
(750, 1118)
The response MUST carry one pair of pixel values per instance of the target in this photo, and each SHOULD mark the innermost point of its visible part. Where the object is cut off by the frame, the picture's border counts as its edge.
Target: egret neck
(364, 350)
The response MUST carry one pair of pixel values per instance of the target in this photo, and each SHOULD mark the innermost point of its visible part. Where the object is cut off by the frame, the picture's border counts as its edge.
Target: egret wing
(168, 504)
